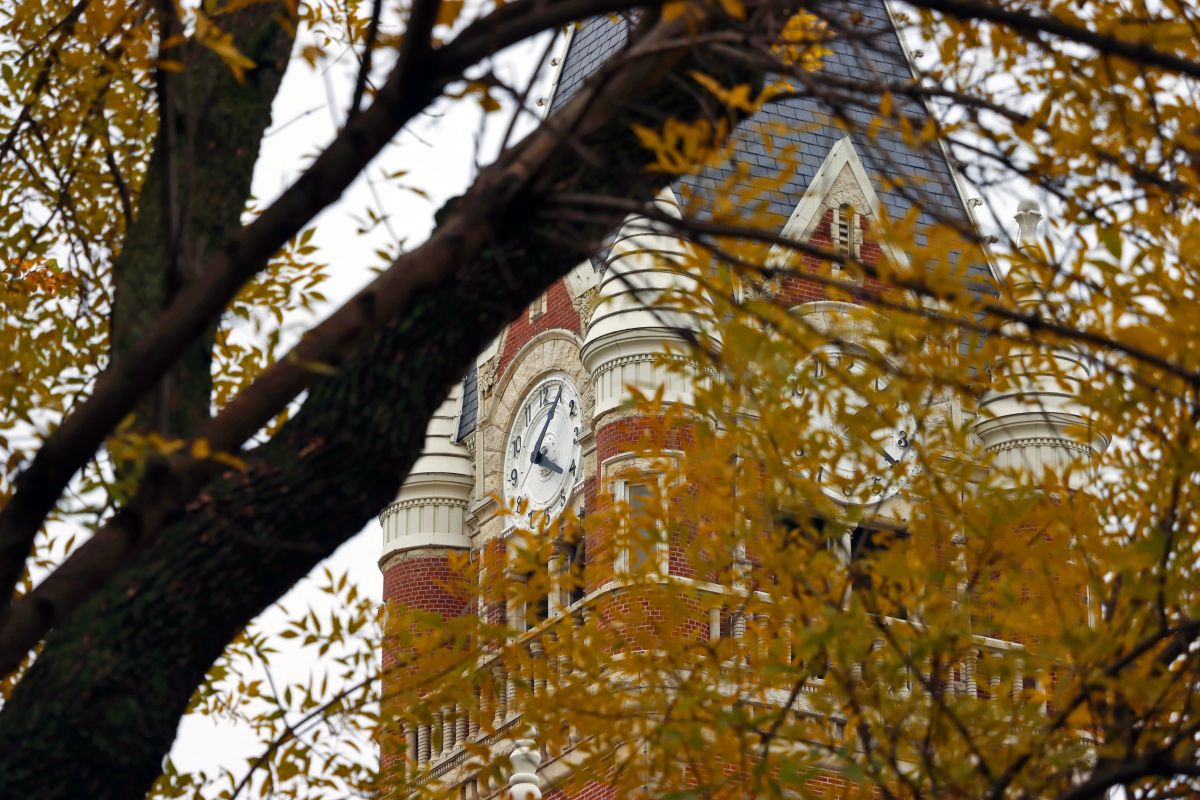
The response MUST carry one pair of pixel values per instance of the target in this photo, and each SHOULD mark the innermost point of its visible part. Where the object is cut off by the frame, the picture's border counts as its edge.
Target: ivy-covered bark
(200, 173)
(99, 709)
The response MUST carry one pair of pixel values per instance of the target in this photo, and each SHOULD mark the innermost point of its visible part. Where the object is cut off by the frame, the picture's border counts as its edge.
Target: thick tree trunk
(98, 710)
(200, 174)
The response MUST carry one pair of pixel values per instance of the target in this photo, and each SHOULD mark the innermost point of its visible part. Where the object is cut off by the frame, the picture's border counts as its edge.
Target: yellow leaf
(230, 460)
(200, 449)
(734, 9)
(448, 12)
(220, 43)
(237, 5)
(674, 9)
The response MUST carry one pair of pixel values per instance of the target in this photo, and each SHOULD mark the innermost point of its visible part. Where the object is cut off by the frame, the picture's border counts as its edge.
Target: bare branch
(1035, 24)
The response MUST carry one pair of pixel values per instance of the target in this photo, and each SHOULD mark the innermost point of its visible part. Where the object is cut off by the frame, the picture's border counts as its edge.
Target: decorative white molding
(486, 376)
(1043, 441)
(812, 205)
(404, 505)
(642, 362)
(558, 68)
(522, 356)
(585, 306)
(469, 442)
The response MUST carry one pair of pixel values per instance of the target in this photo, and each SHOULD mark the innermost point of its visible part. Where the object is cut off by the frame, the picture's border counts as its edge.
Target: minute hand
(536, 456)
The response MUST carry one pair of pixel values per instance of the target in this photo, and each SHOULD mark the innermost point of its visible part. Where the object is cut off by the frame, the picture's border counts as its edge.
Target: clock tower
(542, 421)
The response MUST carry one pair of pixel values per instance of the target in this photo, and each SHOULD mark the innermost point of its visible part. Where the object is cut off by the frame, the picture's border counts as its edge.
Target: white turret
(634, 323)
(1030, 420)
(432, 504)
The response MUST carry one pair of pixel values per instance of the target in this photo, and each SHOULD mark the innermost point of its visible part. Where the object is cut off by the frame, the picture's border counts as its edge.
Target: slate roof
(592, 44)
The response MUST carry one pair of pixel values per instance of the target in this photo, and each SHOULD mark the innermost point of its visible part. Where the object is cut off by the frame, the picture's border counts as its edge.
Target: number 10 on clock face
(542, 456)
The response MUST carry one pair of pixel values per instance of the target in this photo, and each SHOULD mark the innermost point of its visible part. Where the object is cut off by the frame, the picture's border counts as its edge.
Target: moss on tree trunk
(217, 132)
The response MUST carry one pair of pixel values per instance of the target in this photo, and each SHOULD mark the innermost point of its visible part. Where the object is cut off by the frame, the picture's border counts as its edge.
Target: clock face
(542, 459)
(871, 437)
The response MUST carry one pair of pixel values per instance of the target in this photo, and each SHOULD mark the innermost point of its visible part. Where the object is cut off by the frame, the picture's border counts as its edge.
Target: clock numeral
(902, 442)
(572, 469)
(527, 413)
(545, 394)
(875, 487)
(576, 436)
(572, 409)
(513, 477)
(562, 497)
(517, 446)
(820, 473)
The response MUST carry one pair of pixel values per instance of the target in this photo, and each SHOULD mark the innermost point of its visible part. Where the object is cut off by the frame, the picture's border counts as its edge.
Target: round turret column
(634, 325)
(1030, 419)
(427, 521)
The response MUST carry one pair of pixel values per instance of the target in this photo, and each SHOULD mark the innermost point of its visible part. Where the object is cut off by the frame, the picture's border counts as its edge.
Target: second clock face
(875, 455)
(541, 460)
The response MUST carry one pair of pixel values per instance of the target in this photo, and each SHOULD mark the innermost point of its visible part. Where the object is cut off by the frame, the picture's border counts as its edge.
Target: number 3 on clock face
(543, 452)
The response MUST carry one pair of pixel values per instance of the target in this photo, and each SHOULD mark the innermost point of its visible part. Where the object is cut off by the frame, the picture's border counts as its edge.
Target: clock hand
(548, 464)
(536, 456)
(874, 445)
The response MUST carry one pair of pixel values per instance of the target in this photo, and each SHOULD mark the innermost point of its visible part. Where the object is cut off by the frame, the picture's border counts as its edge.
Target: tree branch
(418, 77)
(141, 645)
(461, 238)
(364, 69)
(1033, 23)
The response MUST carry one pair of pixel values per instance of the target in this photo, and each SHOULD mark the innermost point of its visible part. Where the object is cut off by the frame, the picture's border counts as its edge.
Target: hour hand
(539, 459)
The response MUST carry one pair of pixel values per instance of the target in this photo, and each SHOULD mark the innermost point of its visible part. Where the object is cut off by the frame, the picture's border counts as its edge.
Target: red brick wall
(560, 313)
(425, 583)
(428, 584)
(796, 290)
(592, 790)
(624, 435)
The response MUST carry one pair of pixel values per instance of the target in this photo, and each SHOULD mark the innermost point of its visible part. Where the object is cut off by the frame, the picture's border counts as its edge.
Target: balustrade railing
(438, 747)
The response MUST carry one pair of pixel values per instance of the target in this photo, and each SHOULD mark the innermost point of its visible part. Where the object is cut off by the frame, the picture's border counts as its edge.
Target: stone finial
(524, 783)
(1028, 216)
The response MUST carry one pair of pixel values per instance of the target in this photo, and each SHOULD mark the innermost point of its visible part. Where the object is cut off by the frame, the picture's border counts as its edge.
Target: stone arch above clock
(547, 353)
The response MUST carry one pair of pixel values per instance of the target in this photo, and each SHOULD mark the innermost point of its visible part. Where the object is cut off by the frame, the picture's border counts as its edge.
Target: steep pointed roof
(808, 123)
